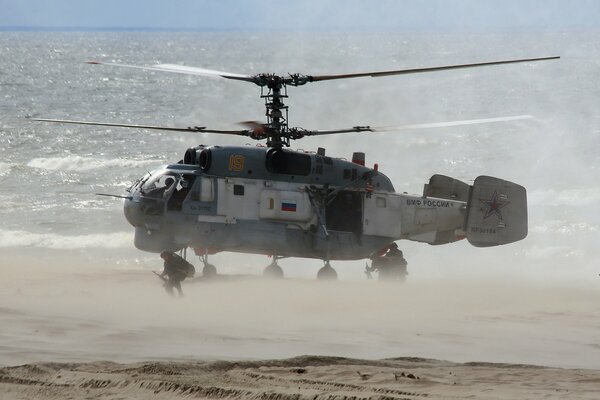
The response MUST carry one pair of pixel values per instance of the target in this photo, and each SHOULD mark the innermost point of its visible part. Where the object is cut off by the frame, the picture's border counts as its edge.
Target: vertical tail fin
(496, 212)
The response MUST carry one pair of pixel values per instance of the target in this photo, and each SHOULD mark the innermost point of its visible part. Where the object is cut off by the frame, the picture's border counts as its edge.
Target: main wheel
(273, 271)
(327, 273)
(209, 271)
(392, 272)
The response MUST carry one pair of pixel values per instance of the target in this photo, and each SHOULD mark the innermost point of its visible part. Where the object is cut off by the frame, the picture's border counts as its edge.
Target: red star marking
(493, 206)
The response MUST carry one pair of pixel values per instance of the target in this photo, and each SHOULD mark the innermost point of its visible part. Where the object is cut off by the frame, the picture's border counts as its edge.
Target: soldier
(176, 269)
(391, 265)
(395, 252)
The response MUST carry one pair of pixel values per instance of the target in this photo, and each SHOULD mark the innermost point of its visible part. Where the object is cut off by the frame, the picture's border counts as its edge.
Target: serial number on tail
(489, 231)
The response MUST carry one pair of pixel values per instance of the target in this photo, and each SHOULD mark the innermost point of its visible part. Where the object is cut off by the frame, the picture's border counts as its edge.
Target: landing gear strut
(327, 273)
(273, 270)
(209, 271)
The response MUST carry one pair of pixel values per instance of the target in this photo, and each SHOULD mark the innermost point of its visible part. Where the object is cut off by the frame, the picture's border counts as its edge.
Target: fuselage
(281, 202)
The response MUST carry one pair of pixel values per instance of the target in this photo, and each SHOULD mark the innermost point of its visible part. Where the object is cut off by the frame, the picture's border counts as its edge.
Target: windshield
(160, 183)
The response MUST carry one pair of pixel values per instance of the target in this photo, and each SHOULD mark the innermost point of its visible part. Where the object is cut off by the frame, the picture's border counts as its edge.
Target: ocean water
(49, 173)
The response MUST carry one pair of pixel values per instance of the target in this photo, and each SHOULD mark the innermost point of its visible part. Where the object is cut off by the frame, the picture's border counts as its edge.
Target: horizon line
(18, 28)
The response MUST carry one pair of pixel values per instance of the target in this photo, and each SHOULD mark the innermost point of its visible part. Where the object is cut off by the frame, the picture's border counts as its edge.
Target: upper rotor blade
(316, 78)
(154, 127)
(182, 69)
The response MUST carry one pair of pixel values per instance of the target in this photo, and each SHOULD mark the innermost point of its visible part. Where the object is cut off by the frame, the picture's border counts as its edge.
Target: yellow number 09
(236, 163)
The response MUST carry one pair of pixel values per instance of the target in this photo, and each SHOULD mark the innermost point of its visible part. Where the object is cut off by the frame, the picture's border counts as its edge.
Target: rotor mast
(276, 112)
(274, 90)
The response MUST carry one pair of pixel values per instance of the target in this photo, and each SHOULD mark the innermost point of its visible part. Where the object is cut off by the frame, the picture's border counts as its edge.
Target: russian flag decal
(287, 205)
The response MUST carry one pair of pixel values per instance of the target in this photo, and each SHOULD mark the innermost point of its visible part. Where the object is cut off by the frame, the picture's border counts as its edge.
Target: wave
(78, 163)
(5, 168)
(58, 242)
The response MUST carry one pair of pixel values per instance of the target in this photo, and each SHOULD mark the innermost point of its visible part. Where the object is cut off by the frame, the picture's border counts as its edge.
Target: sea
(50, 173)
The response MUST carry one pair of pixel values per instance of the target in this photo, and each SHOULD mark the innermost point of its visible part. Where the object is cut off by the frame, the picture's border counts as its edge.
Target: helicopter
(275, 201)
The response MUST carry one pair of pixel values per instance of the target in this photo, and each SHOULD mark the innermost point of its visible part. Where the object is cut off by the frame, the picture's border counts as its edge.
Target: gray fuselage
(281, 202)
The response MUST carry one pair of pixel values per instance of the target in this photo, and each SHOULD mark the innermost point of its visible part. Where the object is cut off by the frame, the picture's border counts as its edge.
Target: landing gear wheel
(392, 273)
(327, 273)
(209, 271)
(273, 271)
(391, 266)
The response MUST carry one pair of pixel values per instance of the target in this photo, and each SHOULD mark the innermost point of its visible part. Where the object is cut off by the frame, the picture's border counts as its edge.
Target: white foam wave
(5, 168)
(78, 163)
(54, 241)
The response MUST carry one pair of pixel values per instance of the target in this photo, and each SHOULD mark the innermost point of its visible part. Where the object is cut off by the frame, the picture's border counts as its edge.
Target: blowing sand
(61, 320)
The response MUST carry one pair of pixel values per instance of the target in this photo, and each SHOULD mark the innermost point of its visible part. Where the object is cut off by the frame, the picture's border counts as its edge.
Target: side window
(238, 190)
(207, 192)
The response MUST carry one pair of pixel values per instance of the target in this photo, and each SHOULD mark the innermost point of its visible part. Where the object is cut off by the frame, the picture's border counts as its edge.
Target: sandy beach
(308, 377)
(90, 332)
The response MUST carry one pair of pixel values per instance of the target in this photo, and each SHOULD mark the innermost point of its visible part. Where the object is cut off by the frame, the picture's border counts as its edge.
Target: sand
(308, 377)
(91, 331)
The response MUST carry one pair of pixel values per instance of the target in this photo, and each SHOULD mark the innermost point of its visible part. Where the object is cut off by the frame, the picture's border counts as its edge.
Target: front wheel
(209, 271)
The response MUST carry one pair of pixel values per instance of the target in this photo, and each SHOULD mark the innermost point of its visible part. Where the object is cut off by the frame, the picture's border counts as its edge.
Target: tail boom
(491, 212)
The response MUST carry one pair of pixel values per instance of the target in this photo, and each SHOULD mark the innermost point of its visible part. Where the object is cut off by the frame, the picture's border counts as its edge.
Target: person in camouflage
(176, 269)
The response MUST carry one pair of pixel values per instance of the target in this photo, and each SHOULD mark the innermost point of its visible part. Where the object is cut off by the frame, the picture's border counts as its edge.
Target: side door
(344, 212)
(382, 215)
(237, 199)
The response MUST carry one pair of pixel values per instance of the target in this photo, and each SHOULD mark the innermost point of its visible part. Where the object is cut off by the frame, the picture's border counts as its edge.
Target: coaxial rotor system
(274, 89)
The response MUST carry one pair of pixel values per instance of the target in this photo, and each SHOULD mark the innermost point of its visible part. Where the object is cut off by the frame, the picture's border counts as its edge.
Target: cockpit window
(160, 184)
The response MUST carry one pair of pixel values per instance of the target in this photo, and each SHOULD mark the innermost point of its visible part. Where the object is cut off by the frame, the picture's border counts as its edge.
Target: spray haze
(70, 275)
(122, 315)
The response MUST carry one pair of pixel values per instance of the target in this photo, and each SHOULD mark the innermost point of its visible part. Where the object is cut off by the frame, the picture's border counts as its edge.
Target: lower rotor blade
(451, 123)
(200, 129)
(298, 133)
(68, 121)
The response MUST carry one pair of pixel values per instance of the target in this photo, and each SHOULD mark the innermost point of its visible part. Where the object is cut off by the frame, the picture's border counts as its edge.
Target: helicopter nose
(133, 212)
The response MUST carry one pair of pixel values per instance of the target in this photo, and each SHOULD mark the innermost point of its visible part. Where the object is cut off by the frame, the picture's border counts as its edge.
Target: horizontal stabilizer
(445, 187)
(496, 212)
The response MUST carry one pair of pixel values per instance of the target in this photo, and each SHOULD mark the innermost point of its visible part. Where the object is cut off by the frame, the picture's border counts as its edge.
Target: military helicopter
(274, 201)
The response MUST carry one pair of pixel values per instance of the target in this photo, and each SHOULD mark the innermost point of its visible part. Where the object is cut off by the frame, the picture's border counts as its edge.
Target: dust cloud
(60, 310)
